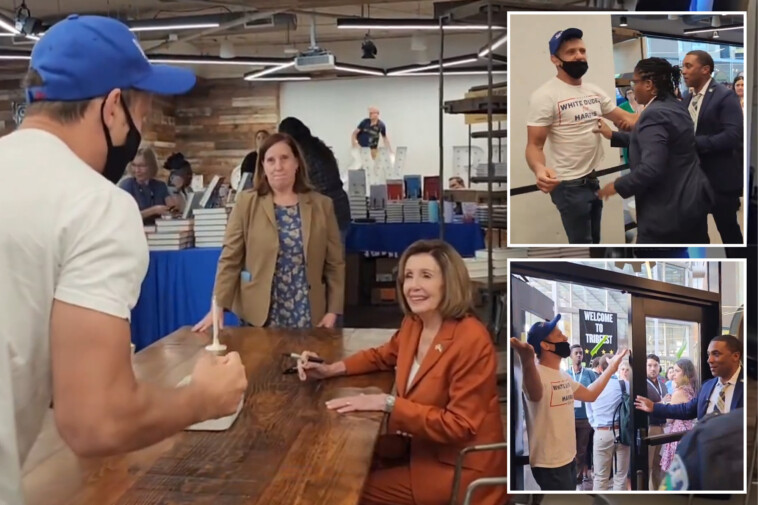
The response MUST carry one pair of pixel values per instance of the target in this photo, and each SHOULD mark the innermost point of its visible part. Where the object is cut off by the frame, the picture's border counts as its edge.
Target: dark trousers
(583, 436)
(562, 478)
(725, 214)
(580, 209)
(697, 233)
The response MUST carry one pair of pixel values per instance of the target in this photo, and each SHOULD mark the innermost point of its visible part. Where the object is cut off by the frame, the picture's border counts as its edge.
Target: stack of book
(210, 226)
(499, 170)
(412, 210)
(425, 218)
(358, 206)
(478, 265)
(394, 212)
(558, 252)
(170, 235)
(378, 215)
(499, 215)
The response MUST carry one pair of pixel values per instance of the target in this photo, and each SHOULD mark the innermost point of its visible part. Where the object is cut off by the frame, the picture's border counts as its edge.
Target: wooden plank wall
(214, 125)
(216, 122)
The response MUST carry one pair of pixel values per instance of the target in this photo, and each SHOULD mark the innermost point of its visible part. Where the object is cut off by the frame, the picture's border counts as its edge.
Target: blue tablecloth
(466, 238)
(176, 292)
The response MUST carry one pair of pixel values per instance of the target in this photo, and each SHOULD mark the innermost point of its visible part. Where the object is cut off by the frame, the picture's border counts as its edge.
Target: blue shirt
(585, 378)
(600, 412)
(146, 195)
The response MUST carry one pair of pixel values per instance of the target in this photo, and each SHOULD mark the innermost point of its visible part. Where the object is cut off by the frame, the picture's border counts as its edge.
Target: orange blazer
(251, 243)
(451, 404)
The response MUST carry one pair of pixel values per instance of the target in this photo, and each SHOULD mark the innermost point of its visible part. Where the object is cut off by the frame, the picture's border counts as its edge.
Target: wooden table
(284, 448)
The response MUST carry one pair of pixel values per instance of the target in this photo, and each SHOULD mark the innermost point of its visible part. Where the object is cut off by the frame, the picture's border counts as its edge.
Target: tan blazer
(252, 244)
(451, 404)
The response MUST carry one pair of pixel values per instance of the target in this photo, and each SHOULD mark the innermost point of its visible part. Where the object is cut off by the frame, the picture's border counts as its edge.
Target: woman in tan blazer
(282, 263)
(447, 397)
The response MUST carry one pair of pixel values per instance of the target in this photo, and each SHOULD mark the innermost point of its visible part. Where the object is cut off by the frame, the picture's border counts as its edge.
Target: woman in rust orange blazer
(446, 388)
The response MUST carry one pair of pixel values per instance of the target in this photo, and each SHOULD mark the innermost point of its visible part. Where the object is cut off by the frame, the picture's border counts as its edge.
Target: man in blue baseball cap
(73, 256)
(550, 395)
(565, 111)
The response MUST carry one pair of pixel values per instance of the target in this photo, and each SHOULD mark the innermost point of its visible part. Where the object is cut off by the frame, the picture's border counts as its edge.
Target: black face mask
(575, 69)
(562, 349)
(120, 156)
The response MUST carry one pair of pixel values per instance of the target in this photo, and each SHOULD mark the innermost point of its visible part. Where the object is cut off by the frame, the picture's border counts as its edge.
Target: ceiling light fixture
(716, 34)
(404, 24)
(14, 55)
(257, 75)
(495, 44)
(212, 60)
(622, 21)
(360, 70)
(450, 72)
(725, 28)
(434, 65)
(279, 78)
(158, 28)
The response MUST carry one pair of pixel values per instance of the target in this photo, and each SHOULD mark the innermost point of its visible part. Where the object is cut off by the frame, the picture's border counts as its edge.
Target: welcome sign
(598, 333)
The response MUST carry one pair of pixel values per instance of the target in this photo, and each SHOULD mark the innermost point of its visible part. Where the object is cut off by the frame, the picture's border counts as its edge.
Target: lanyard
(657, 388)
(581, 374)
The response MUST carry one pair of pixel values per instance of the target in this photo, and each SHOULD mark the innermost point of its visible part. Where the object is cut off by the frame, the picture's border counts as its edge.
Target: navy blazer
(697, 407)
(671, 192)
(719, 138)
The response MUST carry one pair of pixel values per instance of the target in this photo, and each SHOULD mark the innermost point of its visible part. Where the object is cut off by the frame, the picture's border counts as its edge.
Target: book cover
(412, 186)
(432, 187)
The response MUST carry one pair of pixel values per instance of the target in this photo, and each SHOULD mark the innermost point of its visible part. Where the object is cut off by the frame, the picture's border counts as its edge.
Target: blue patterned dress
(290, 307)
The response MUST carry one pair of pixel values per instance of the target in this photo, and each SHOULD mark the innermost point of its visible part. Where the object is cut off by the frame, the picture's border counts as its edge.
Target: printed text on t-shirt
(576, 110)
(560, 393)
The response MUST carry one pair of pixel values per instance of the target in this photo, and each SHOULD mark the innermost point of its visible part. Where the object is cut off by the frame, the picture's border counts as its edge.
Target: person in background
(456, 182)
(149, 193)
(685, 378)
(670, 384)
(631, 105)
(595, 365)
(444, 365)
(180, 178)
(739, 90)
(656, 391)
(323, 170)
(673, 196)
(550, 394)
(718, 125)
(73, 258)
(610, 458)
(585, 377)
(369, 131)
(565, 110)
(249, 162)
(282, 264)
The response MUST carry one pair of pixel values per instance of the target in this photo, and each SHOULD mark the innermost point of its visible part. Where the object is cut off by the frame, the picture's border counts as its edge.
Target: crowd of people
(685, 153)
(577, 421)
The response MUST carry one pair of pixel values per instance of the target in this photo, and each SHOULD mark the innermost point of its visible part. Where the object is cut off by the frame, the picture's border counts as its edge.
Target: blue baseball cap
(85, 57)
(557, 39)
(540, 331)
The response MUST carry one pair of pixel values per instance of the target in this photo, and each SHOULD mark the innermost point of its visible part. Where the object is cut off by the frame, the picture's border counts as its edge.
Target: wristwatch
(389, 403)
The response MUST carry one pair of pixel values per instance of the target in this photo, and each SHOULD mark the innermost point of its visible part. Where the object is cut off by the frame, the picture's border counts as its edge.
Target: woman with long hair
(672, 194)
(685, 379)
(444, 364)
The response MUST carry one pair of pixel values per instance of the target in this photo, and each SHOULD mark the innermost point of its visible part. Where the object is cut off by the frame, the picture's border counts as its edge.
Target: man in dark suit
(717, 115)
(721, 394)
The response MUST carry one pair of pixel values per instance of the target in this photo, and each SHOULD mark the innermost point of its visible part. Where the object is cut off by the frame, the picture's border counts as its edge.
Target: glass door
(678, 334)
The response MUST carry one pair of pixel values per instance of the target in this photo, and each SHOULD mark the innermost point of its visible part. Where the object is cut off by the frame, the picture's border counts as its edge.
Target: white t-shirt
(571, 112)
(66, 233)
(550, 421)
